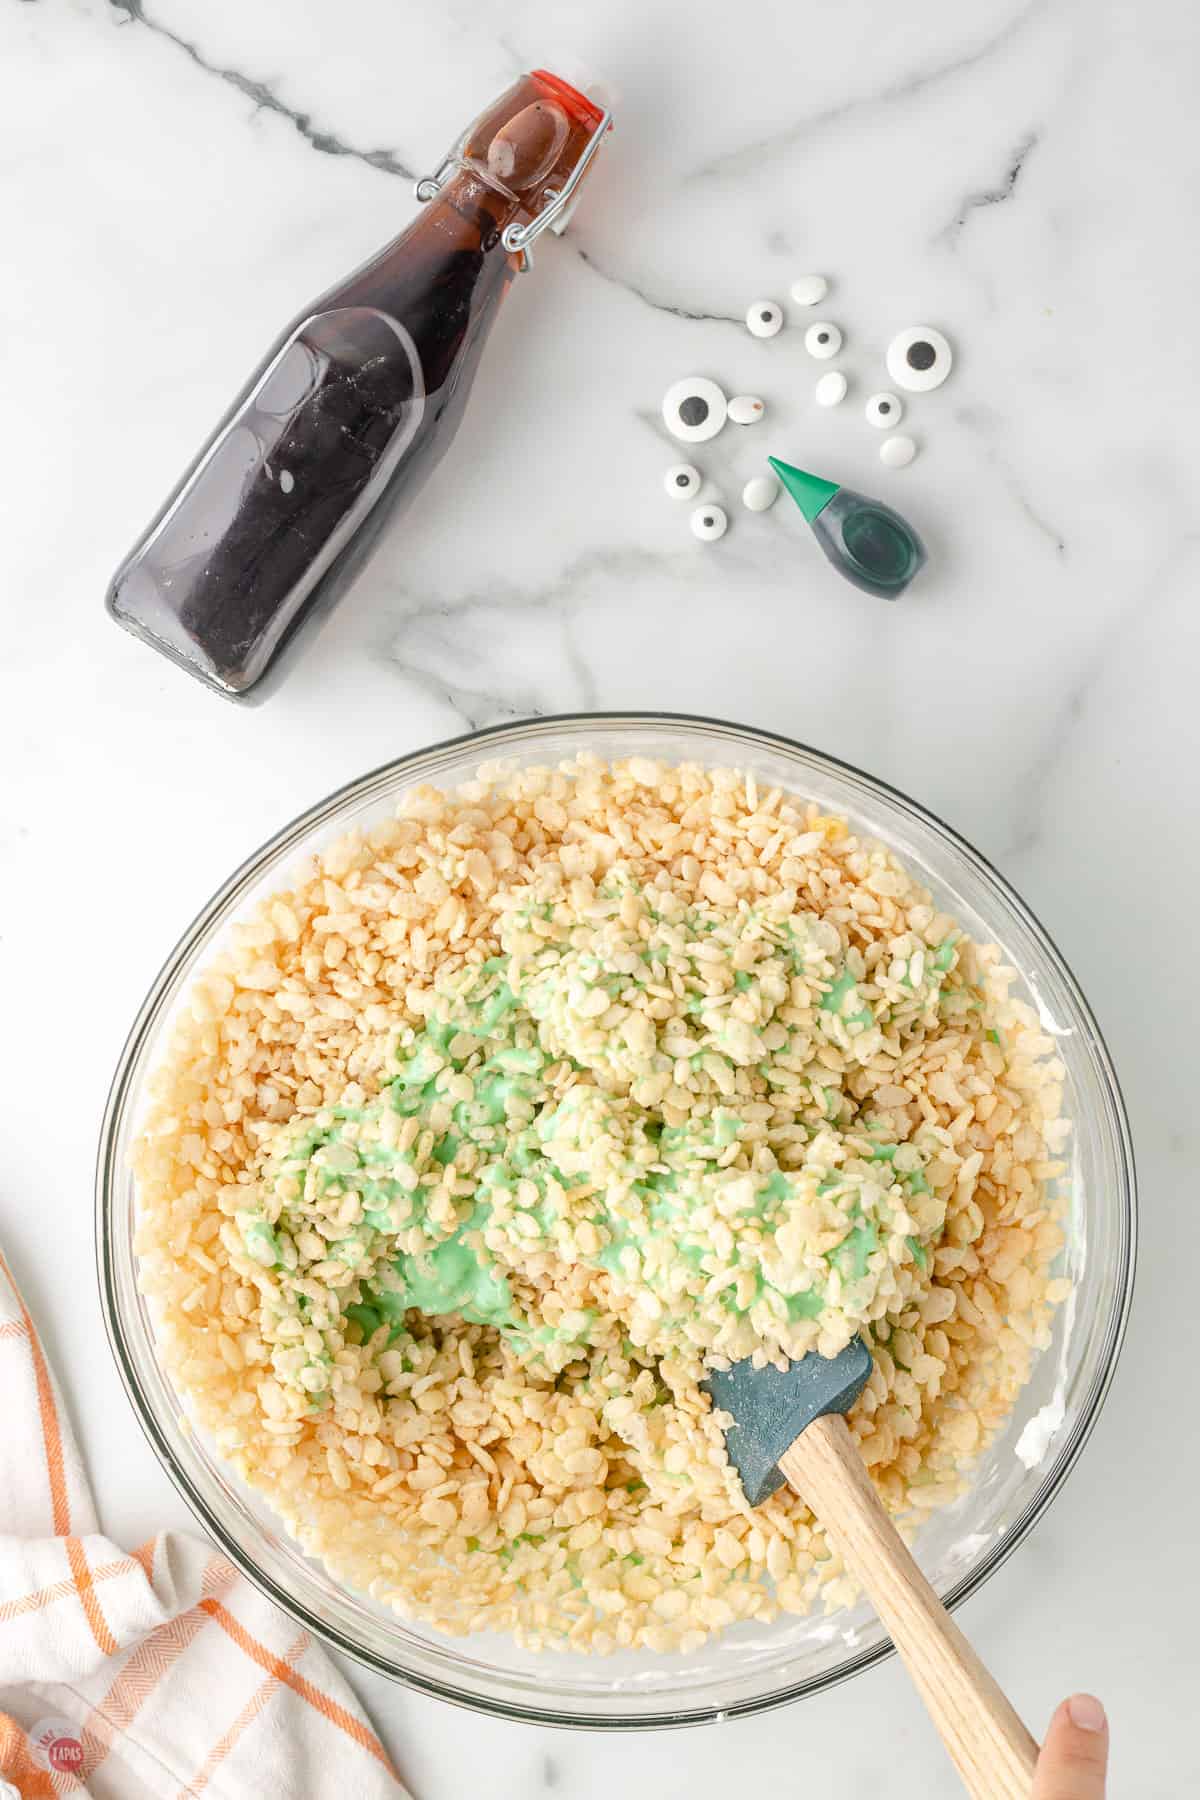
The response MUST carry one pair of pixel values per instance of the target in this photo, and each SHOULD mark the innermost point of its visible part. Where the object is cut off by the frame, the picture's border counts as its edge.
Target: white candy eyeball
(884, 410)
(709, 523)
(761, 492)
(897, 452)
(831, 389)
(694, 409)
(822, 340)
(919, 359)
(764, 318)
(746, 409)
(682, 481)
(809, 290)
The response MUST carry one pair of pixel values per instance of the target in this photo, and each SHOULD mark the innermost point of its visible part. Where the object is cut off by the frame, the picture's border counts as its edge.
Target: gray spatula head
(771, 1407)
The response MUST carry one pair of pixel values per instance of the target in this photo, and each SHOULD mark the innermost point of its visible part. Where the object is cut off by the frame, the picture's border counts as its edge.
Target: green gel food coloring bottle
(866, 541)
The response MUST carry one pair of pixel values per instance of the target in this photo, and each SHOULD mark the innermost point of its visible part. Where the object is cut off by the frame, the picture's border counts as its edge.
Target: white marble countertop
(175, 178)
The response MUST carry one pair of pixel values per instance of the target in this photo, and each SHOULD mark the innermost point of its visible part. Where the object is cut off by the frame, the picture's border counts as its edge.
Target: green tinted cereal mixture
(482, 1142)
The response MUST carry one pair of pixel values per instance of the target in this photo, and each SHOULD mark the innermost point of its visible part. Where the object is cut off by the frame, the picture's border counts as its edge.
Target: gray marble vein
(264, 97)
(984, 425)
(569, 583)
(508, 651)
(903, 88)
(640, 292)
(1041, 774)
(1031, 512)
(1003, 190)
(474, 706)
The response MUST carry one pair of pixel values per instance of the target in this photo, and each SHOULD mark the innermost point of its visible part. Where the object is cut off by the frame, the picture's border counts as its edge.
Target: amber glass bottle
(351, 408)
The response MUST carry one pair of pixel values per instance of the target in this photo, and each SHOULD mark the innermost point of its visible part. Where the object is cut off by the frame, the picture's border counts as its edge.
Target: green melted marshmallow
(531, 1144)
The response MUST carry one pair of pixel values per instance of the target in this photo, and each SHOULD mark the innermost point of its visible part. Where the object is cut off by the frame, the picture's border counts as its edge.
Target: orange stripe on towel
(57, 1590)
(144, 1554)
(17, 1764)
(106, 1643)
(149, 1664)
(261, 1697)
(48, 1412)
(266, 1659)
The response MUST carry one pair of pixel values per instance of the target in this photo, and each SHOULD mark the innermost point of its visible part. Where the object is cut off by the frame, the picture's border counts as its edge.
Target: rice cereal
(514, 1114)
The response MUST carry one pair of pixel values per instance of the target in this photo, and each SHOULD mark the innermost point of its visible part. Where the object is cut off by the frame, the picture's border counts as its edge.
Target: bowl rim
(108, 1174)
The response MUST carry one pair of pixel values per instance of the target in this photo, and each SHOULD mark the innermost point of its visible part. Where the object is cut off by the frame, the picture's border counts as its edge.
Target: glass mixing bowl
(751, 1667)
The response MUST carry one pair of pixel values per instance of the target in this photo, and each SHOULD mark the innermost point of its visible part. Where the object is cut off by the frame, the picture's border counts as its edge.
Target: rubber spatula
(788, 1425)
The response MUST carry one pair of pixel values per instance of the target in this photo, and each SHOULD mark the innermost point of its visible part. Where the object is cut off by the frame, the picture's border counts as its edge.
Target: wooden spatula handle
(988, 1744)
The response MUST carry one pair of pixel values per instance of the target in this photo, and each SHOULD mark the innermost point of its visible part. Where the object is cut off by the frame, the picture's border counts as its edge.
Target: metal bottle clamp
(516, 238)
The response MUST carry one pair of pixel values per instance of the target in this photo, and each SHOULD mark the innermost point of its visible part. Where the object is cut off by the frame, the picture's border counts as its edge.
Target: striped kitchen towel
(126, 1675)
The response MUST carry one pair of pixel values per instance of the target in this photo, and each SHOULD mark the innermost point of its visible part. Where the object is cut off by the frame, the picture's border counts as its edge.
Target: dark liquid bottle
(350, 409)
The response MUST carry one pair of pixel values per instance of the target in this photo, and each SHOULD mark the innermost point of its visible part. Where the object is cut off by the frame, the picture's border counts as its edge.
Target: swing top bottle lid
(532, 146)
(577, 104)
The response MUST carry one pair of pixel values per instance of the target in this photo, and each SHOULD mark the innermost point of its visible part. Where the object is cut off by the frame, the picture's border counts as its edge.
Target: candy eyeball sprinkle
(682, 481)
(694, 409)
(746, 409)
(764, 318)
(919, 359)
(831, 389)
(897, 452)
(810, 290)
(760, 492)
(822, 340)
(884, 410)
(709, 523)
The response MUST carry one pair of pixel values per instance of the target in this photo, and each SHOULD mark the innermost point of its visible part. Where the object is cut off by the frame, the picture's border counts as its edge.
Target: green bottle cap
(810, 493)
